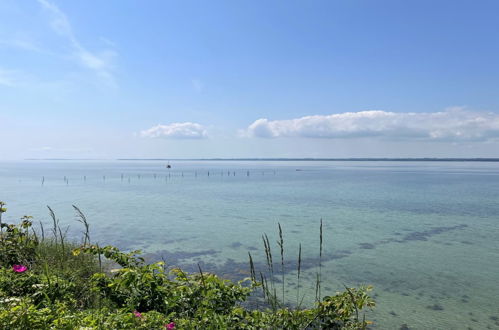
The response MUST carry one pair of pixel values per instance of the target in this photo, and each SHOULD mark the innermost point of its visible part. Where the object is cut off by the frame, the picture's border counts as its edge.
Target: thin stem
(320, 263)
(252, 268)
(281, 245)
(299, 272)
(83, 220)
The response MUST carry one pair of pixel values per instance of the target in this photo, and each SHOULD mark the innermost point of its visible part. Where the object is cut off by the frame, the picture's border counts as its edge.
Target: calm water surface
(424, 234)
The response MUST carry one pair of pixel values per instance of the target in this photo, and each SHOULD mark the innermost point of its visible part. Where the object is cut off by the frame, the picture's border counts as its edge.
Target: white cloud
(99, 62)
(455, 124)
(185, 130)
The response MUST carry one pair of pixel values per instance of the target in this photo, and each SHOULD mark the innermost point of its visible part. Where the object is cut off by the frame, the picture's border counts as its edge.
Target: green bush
(50, 283)
(17, 246)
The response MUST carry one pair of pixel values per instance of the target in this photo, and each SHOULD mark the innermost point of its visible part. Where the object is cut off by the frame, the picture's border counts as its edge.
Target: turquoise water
(424, 234)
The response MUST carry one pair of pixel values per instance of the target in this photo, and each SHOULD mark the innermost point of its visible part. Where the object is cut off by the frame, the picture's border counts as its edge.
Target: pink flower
(170, 325)
(19, 268)
(137, 314)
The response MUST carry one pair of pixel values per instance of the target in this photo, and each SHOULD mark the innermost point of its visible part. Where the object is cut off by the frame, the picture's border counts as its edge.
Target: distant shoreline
(287, 159)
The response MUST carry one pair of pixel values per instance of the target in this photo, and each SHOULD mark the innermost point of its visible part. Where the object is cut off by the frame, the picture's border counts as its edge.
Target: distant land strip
(287, 159)
(333, 159)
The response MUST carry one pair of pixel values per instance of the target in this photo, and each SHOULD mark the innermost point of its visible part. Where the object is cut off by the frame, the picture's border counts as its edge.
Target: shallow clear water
(424, 234)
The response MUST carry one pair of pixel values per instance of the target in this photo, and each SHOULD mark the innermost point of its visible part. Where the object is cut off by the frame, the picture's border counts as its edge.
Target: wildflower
(19, 268)
(137, 314)
(170, 325)
(8, 300)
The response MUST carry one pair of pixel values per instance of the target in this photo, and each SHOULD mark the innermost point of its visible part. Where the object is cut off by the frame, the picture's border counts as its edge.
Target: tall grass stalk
(298, 279)
(42, 231)
(319, 274)
(35, 235)
(55, 223)
(281, 246)
(272, 293)
(100, 258)
(202, 276)
(252, 268)
(263, 285)
(270, 290)
(62, 239)
(82, 219)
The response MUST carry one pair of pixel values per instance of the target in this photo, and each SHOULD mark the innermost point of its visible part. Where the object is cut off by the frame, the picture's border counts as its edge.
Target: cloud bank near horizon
(185, 130)
(455, 124)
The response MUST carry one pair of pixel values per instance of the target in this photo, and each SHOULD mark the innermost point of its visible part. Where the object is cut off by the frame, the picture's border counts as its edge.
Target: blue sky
(175, 79)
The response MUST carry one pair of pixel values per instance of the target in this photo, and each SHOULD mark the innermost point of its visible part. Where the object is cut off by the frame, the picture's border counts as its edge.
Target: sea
(424, 234)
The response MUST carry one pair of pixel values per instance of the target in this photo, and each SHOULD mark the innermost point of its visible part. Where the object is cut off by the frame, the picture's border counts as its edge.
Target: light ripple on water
(424, 234)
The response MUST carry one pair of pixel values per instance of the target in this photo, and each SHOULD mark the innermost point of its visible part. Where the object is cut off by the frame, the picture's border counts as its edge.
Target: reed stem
(299, 273)
(281, 245)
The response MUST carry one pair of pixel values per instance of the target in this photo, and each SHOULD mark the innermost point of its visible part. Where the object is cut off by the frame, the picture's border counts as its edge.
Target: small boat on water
(168, 165)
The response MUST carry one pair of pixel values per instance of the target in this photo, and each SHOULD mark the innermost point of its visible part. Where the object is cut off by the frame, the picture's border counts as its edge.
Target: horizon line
(429, 159)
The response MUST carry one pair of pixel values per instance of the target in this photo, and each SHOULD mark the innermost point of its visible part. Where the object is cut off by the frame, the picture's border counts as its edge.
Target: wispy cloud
(185, 130)
(455, 124)
(11, 78)
(197, 84)
(21, 43)
(99, 62)
(6, 78)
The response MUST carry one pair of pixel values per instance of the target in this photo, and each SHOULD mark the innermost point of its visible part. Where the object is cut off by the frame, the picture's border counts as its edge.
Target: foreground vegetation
(48, 282)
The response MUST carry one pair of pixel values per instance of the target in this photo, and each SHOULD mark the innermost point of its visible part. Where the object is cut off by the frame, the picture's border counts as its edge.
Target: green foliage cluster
(64, 286)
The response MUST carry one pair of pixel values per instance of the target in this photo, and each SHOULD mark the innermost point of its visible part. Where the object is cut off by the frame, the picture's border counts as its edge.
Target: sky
(236, 79)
